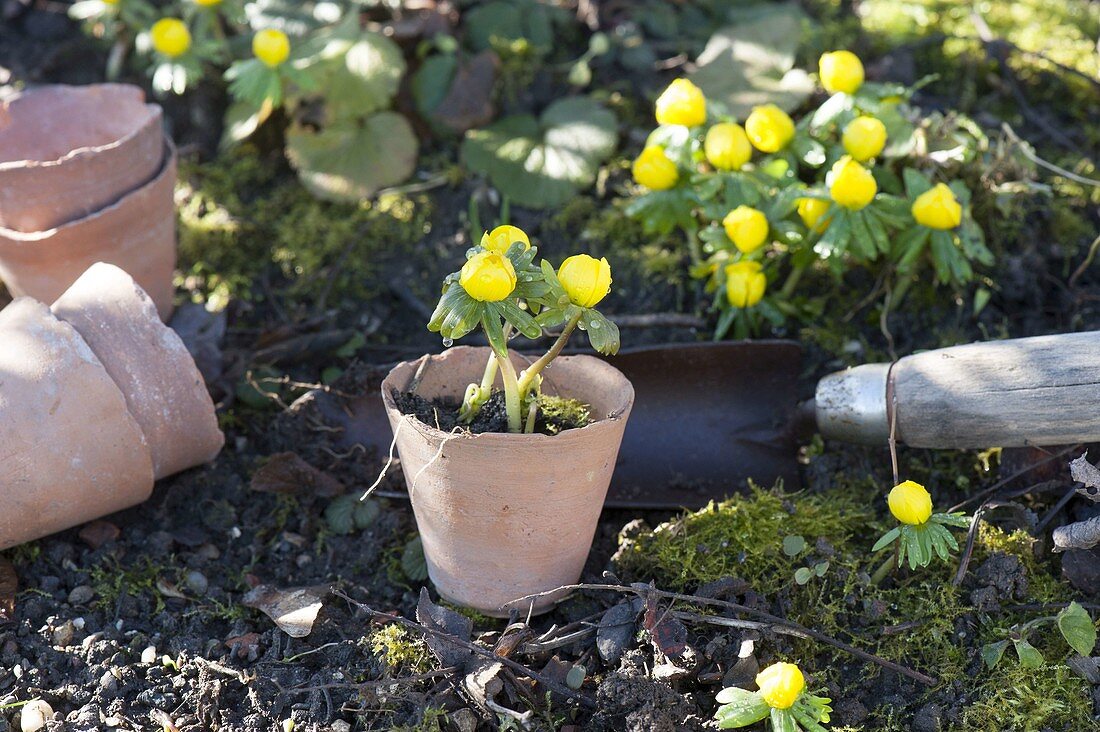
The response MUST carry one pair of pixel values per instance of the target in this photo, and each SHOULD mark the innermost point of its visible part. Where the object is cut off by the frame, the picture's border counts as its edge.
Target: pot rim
(432, 433)
(153, 114)
(36, 237)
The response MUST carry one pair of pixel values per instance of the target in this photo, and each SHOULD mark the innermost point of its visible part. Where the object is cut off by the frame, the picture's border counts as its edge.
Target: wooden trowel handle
(1012, 393)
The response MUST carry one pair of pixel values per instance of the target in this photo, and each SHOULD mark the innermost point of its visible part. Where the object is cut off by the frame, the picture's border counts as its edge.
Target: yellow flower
(747, 228)
(682, 103)
(769, 128)
(840, 71)
(727, 146)
(864, 138)
(502, 238)
(781, 684)
(654, 170)
(208, 3)
(745, 283)
(937, 208)
(170, 37)
(488, 277)
(850, 184)
(271, 46)
(586, 280)
(910, 503)
(810, 210)
(110, 2)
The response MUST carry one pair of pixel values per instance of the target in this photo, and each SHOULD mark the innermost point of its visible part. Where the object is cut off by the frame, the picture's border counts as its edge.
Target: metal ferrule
(851, 405)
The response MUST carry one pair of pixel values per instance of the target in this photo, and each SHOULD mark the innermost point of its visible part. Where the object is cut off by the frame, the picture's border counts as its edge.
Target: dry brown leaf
(285, 472)
(293, 610)
(1082, 471)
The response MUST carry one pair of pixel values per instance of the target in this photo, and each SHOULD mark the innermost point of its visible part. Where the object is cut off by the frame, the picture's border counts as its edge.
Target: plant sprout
(781, 698)
(503, 291)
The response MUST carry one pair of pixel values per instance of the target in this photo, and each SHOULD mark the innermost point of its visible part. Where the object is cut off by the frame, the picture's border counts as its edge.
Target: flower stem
(532, 371)
(885, 567)
(792, 281)
(511, 392)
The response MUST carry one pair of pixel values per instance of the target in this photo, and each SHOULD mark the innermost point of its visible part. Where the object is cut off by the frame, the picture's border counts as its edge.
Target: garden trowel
(710, 416)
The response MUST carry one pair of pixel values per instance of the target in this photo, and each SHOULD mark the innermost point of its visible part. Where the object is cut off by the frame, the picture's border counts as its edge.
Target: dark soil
(443, 414)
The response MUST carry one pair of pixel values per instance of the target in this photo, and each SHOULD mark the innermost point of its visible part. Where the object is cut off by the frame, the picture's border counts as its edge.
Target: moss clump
(398, 650)
(1012, 697)
(560, 413)
(742, 537)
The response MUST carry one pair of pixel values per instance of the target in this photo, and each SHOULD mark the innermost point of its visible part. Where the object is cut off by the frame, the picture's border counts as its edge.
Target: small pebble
(34, 715)
(63, 634)
(196, 582)
(149, 655)
(81, 595)
(341, 726)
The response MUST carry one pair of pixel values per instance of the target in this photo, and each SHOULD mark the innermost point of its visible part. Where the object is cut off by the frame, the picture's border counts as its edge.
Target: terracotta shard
(69, 448)
(502, 516)
(149, 363)
(136, 233)
(68, 151)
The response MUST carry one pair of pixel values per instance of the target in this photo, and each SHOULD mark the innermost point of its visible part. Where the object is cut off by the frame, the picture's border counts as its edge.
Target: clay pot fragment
(136, 233)
(149, 363)
(502, 516)
(68, 151)
(69, 448)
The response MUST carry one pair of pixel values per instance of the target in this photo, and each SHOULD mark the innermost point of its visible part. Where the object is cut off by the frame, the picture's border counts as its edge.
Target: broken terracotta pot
(68, 151)
(71, 451)
(503, 516)
(136, 233)
(149, 363)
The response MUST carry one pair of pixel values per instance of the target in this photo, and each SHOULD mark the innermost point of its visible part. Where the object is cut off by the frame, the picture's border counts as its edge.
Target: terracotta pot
(502, 516)
(69, 449)
(149, 363)
(68, 151)
(137, 233)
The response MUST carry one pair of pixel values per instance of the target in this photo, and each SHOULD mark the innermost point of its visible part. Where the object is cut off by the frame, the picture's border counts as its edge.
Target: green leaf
(350, 159)
(507, 21)
(1029, 654)
(916, 183)
(793, 545)
(1077, 628)
(993, 652)
(887, 539)
(494, 331)
(821, 568)
(340, 514)
(366, 513)
(802, 575)
(520, 319)
(360, 71)
(432, 80)
(543, 163)
(602, 333)
(413, 563)
(740, 708)
(783, 721)
(752, 63)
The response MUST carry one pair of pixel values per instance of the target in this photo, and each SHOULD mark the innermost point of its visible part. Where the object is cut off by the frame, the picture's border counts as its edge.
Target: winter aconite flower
(654, 170)
(488, 277)
(170, 37)
(745, 283)
(586, 280)
(864, 138)
(503, 237)
(769, 128)
(850, 184)
(208, 3)
(271, 47)
(781, 684)
(747, 228)
(682, 103)
(938, 208)
(840, 71)
(811, 211)
(910, 503)
(727, 147)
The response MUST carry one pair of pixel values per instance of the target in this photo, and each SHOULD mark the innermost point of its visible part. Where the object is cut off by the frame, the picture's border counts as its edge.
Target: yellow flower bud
(488, 277)
(271, 46)
(727, 146)
(781, 684)
(654, 170)
(810, 210)
(110, 2)
(170, 37)
(840, 71)
(864, 138)
(747, 228)
(208, 3)
(769, 128)
(745, 283)
(910, 503)
(682, 103)
(938, 208)
(586, 280)
(850, 184)
(502, 238)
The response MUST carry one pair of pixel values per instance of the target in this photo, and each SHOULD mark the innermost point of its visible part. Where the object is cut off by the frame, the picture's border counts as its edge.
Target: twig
(968, 552)
(1025, 149)
(546, 681)
(642, 590)
(1085, 264)
(737, 623)
(1005, 481)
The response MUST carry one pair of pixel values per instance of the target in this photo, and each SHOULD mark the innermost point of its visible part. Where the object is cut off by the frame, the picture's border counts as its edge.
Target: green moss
(1012, 697)
(560, 413)
(431, 720)
(112, 581)
(400, 650)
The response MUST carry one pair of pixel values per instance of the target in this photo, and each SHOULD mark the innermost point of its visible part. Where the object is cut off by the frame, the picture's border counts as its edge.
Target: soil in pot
(555, 415)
